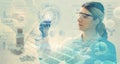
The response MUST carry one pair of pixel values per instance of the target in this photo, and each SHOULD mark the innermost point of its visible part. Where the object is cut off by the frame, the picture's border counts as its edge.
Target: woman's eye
(85, 16)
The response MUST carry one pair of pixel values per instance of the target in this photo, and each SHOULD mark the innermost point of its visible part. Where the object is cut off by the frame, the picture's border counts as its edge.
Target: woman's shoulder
(107, 42)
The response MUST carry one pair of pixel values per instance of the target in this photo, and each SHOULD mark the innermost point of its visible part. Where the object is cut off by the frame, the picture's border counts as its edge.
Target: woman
(92, 47)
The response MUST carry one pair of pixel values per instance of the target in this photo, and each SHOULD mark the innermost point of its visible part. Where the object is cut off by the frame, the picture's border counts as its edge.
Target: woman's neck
(89, 35)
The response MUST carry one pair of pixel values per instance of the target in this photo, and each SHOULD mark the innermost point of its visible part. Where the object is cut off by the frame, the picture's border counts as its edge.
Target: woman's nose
(79, 19)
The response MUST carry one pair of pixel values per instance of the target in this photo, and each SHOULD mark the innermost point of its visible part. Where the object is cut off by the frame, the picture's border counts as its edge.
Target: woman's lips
(80, 25)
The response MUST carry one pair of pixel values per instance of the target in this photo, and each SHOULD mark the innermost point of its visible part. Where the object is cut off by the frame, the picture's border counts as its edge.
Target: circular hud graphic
(49, 12)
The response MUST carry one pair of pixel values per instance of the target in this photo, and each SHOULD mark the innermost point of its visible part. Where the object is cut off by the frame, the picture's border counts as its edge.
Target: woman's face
(85, 20)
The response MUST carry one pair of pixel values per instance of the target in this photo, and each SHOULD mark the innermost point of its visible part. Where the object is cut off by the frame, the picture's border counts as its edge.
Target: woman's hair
(97, 10)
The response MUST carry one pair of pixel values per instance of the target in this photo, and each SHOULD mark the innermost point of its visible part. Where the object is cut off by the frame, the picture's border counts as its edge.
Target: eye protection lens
(84, 15)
